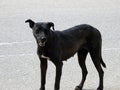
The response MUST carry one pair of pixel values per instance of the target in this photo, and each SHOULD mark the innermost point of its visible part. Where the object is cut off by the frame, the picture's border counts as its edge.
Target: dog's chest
(45, 57)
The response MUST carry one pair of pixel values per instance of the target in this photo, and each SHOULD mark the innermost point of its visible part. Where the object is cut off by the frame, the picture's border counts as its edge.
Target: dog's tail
(103, 64)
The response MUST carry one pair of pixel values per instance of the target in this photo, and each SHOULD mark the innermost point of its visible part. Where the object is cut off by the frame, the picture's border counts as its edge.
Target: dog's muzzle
(42, 42)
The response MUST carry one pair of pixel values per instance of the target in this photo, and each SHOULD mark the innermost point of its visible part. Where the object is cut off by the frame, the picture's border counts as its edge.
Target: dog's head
(41, 31)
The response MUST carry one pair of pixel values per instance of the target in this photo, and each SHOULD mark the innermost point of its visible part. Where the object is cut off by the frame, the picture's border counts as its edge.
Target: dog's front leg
(58, 65)
(43, 66)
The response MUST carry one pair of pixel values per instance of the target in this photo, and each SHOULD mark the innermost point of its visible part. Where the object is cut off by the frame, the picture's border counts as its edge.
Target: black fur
(58, 46)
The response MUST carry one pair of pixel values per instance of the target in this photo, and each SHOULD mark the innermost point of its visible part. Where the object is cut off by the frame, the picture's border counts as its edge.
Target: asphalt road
(19, 64)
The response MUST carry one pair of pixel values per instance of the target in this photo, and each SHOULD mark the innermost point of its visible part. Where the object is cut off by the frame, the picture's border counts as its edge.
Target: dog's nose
(43, 39)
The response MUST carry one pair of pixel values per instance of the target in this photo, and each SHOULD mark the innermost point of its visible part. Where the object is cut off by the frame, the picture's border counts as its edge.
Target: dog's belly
(67, 55)
(71, 49)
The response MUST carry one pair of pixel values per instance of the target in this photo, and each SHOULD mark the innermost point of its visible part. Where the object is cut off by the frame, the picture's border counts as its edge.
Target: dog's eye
(37, 31)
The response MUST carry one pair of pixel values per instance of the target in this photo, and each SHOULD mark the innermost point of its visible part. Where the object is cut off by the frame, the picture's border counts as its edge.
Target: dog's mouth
(41, 44)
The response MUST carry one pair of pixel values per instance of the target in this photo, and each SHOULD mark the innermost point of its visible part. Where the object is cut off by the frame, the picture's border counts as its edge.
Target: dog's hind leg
(81, 59)
(96, 58)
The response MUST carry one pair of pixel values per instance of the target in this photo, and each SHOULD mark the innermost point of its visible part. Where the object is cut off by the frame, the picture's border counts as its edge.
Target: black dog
(58, 46)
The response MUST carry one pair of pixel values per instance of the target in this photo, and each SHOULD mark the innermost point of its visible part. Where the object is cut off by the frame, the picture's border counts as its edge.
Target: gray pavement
(19, 64)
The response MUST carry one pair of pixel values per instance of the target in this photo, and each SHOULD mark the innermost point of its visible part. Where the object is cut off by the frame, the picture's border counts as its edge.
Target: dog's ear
(50, 24)
(31, 23)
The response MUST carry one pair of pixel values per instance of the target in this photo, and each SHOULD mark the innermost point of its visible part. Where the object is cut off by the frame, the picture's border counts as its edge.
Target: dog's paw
(78, 88)
(99, 88)
(42, 89)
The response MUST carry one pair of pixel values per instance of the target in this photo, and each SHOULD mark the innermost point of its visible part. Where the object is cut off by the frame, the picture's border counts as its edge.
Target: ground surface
(19, 64)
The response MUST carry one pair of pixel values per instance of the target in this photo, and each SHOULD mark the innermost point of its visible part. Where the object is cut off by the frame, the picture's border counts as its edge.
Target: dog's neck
(41, 50)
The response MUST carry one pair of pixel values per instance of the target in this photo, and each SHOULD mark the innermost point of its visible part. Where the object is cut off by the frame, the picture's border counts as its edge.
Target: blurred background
(19, 64)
